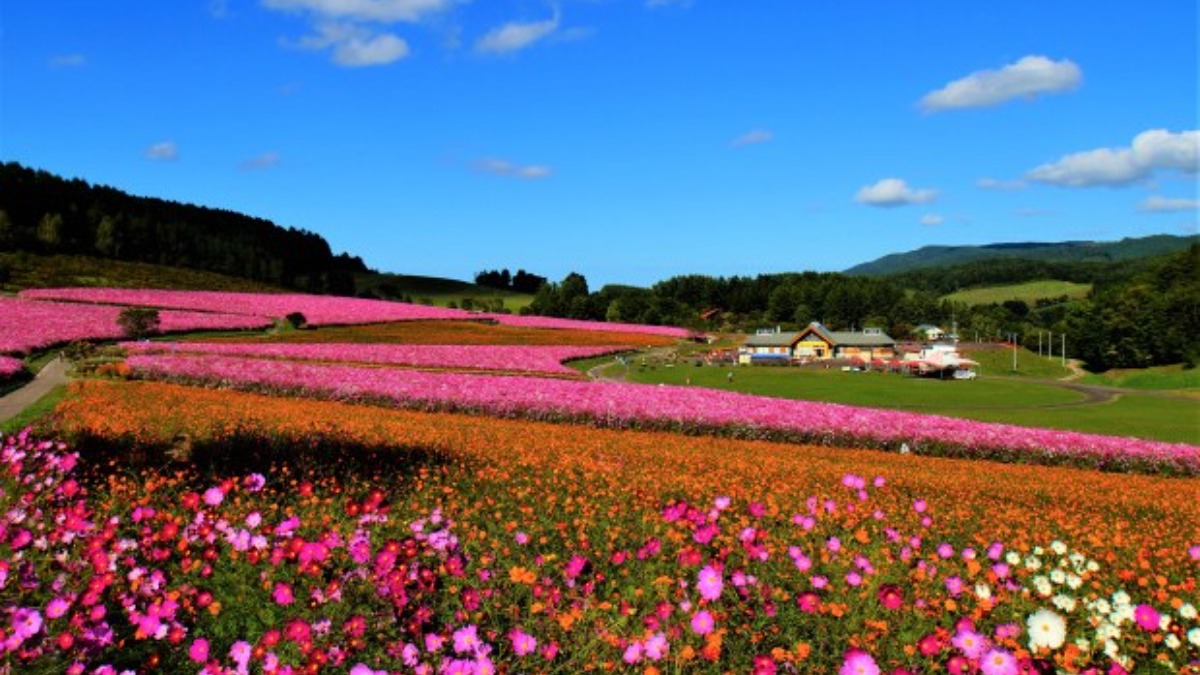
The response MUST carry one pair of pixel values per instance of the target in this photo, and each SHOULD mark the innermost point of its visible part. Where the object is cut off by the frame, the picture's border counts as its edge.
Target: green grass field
(438, 291)
(1029, 292)
(1010, 400)
(31, 415)
(1164, 377)
(999, 361)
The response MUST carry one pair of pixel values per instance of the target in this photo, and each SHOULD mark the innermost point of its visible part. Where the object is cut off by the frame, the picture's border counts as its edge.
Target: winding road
(50, 376)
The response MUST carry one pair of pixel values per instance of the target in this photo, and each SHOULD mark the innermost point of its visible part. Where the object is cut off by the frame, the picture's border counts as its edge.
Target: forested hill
(1062, 252)
(45, 214)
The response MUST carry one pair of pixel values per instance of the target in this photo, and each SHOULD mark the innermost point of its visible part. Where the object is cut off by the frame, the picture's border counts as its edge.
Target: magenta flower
(522, 643)
(26, 623)
(213, 496)
(998, 662)
(633, 653)
(709, 583)
(703, 623)
(970, 643)
(57, 607)
(656, 647)
(282, 595)
(466, 640)
(858, 662)
(1146, 617)
(198, 652)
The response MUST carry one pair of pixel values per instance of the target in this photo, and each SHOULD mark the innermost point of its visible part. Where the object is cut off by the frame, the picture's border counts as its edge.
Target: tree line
(1141, 313)
(521, 282)
(46, 214)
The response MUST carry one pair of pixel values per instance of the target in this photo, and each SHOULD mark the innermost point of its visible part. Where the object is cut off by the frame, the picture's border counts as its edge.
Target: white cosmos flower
(1110, 649)
(1033, 563)
(1093, 566)
(1038, 550)
(1172, 641)
(1194, 636)
(1012, 558)
(1074, 581)
(1043, 587)
(1058, 547)
(1058, 576)
(983, 591)
(1121, 598)
(1187, 611)
(1101, 606)
(1064, 602)
(1046, 629)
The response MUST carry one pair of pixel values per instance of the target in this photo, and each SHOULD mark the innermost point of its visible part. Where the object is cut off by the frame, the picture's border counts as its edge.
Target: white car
(965, 374)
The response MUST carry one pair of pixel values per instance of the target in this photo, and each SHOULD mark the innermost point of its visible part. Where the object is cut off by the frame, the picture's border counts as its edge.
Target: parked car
(965, 374)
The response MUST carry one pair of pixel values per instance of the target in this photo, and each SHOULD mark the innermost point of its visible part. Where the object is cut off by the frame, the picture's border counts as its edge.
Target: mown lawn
(1029, 292)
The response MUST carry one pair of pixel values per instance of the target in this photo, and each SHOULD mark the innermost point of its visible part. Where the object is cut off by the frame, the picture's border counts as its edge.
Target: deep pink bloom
(198, 652)
(522, 643)
(1146, 617)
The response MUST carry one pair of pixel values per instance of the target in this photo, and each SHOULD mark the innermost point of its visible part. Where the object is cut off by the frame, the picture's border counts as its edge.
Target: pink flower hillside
(10, 367)
(32, 324)
(517, 358)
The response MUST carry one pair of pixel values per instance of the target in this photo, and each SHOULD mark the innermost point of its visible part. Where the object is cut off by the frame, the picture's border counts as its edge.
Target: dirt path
(613, 371)
(51, 376)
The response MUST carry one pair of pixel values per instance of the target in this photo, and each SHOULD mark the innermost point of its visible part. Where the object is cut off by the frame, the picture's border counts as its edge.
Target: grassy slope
(999, 361)
(1162, 377)
(37, 271)
(1030, 292)
(438, 291)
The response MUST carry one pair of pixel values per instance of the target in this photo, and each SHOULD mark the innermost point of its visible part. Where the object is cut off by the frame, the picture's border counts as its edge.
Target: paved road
(52, 375)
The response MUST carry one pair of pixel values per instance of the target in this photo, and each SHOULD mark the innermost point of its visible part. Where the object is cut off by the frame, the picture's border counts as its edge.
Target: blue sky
(629, 140)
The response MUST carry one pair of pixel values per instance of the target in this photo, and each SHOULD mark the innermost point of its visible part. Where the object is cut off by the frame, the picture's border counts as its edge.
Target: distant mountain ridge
(1066, 251)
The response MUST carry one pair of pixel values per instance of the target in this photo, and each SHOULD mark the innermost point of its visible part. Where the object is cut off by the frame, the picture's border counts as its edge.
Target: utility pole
(1039, 343)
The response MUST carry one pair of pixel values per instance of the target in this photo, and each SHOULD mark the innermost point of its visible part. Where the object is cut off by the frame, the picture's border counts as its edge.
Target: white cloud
(501, 167)
(376, 11)
(1158, 204)
(263, 161)
(356, 46)
(891, 192)
(753, 138)
(1154, 150)
(68, 61)
(515, 36)
(1028, 77)
(997, 184)
(932, 219)
(163, 151)
(352, 29)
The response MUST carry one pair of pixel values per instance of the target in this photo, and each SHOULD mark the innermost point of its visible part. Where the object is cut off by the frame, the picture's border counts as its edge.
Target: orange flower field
(577, 548)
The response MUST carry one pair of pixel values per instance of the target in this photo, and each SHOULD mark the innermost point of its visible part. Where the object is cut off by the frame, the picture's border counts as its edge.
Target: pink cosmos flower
(633, 653)
(709, 583)
(26, 623)
(523, 643)
(1146, 617)
(213, 496)
(57, 607)
(970, 643)
(998, 662)
(198, 651)
(466, 640)
(282, 595)
(858, 662)
(656, 647)
(703, 623)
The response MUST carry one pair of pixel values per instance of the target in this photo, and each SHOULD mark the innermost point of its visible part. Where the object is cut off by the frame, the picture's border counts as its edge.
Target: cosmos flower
(1046, 629)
